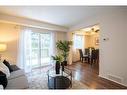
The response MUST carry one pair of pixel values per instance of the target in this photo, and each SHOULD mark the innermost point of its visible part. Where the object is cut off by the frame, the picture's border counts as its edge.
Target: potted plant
(64, 48)
(58, 60)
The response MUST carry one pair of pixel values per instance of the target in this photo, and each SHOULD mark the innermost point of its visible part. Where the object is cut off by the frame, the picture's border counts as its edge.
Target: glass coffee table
(59, 81)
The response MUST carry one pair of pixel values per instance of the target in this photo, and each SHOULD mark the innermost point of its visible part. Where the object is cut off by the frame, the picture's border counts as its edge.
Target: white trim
(111, 80)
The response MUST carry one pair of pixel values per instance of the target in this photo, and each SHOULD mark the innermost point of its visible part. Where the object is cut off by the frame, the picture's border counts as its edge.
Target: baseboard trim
(112, 80)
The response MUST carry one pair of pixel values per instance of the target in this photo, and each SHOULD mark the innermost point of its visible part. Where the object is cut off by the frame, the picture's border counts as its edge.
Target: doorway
(87, 40)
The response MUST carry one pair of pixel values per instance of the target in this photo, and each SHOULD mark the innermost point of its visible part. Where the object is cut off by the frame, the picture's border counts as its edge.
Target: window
(78, 41)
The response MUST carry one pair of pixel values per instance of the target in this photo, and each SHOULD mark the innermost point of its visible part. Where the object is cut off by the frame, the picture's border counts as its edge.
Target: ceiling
(66, 16)
(88, 30)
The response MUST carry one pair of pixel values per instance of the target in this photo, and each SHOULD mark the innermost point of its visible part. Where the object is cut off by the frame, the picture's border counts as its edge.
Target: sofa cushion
(18, 83)
(8, 65)
(4, 69)
(16, 74)
(14, 67)
(1, 87)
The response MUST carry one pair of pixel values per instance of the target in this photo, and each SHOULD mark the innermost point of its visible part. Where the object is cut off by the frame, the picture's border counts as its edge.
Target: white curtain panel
(24, 39)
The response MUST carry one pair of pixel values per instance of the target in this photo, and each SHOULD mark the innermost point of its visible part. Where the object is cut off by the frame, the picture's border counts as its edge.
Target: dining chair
(83, 57)
(87, 51)
(94, 56)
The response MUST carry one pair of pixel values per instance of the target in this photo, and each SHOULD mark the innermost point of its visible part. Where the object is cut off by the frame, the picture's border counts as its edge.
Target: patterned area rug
(38, 80)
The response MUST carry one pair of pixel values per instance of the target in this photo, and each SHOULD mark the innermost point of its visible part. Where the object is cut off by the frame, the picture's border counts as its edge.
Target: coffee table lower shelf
(59, 82)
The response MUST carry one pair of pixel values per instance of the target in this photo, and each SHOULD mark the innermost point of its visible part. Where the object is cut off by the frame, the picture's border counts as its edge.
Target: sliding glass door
(38, 49)
(45, 42)
(35, 53)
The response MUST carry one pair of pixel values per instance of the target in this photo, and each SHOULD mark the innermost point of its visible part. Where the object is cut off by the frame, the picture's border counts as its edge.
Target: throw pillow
(8, 65)
(4, 69)
(1, 87)
(3, 79)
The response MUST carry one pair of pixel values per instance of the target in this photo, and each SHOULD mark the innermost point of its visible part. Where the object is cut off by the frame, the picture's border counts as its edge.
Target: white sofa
(17, 80)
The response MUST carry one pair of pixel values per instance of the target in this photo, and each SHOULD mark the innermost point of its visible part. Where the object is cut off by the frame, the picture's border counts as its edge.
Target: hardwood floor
(89, 76)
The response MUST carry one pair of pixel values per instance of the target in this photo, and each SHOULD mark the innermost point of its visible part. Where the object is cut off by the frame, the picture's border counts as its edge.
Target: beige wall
(70, 57)
(61, 35)
(90, 40)
(87, 41)
(9, 34)
(113, 59)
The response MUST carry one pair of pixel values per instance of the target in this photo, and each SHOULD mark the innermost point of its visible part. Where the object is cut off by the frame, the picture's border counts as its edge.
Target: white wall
(9, 34)
(113, 52)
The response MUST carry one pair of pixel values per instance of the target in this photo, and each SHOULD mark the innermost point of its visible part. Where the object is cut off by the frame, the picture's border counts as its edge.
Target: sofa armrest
(20, 82)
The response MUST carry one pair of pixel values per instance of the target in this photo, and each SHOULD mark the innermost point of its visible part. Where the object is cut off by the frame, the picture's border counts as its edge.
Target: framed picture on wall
(97, 41)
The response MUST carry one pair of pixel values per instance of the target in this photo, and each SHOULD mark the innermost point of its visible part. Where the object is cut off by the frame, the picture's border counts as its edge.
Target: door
(39, 50)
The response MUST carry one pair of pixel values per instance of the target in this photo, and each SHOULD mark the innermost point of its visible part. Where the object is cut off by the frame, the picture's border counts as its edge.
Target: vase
(62, 65)
(57, 67)
(65, 63)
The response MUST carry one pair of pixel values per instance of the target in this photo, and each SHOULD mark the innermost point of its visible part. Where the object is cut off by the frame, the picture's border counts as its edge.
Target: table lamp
(3, 48)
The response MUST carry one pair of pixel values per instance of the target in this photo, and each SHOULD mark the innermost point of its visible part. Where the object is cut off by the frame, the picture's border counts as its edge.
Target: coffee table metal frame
(67, 73)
